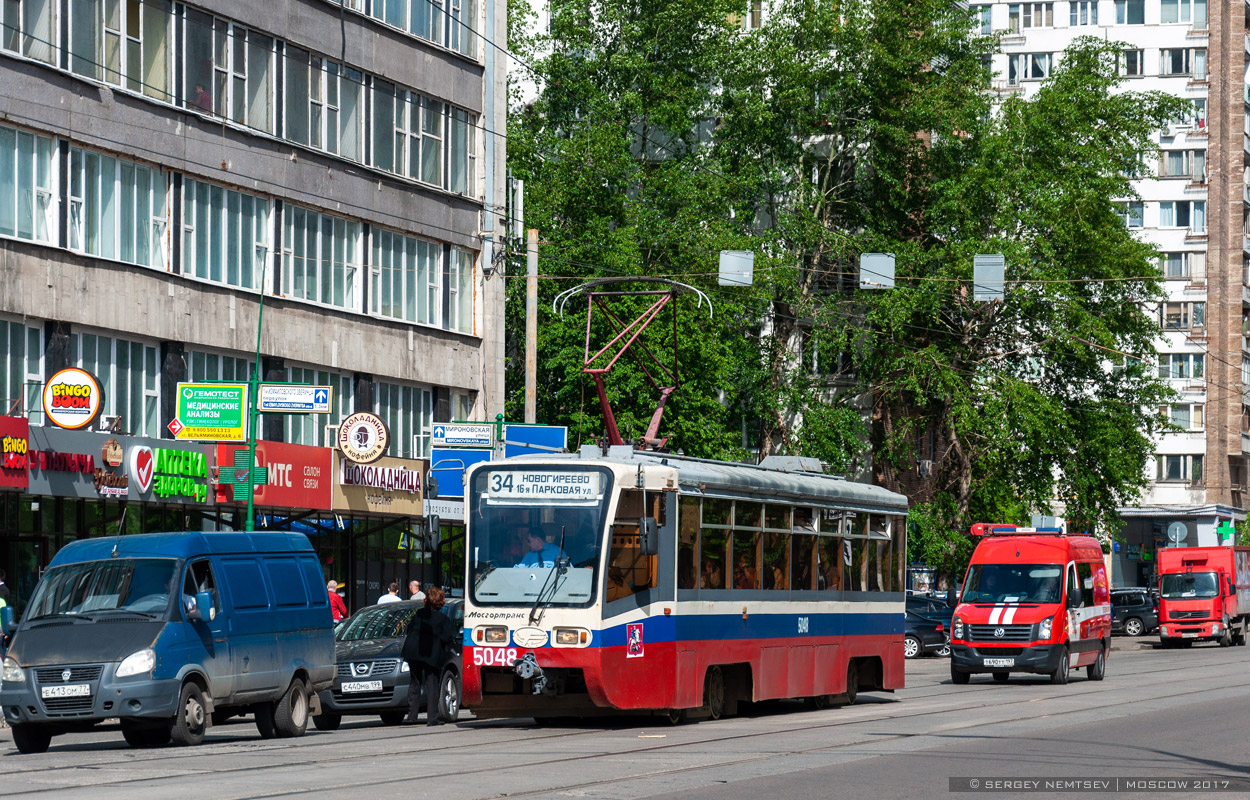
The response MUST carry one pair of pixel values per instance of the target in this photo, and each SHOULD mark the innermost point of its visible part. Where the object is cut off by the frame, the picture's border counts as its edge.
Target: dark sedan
(924, 636)
(372, 677)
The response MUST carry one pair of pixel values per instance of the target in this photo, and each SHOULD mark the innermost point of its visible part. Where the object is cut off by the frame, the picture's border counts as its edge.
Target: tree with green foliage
(663, 134)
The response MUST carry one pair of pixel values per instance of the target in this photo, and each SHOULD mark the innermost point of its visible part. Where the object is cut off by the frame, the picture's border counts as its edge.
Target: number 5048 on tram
(648, 582)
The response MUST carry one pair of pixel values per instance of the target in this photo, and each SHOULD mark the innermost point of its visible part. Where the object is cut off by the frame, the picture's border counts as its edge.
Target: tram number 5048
(494, 656)
(803, 625)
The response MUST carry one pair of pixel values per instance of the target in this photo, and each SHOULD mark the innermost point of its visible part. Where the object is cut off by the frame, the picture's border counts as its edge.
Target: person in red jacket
(338, 609)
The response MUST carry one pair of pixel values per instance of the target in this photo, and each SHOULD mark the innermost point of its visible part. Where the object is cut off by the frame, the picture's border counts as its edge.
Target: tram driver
(542, 553)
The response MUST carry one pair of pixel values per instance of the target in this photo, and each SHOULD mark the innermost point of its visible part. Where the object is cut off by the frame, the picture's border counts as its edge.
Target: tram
(639, 581)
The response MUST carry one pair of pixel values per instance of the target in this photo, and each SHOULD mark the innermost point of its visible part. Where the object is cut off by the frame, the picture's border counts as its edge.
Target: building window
(310, 429)
(205, 366)
(1184, 265)
(116, 208)
(982, 20)
(321, 258)
(460, 291)
(1186, 416)
(1191, 164)
(419, 125)
(29, 28)
(324, 104)
(127, 373)
(1131, 62)
(1191, 11)
(225, 234)
(1181, 365)
(1030, 15)
(1082, 12)
(405, 278)
(1027, 67)
(1182, 316)
(463, 13)
(408, 411)
(229, 71)
(1182, 61)
(462, 153)
(28, 207)
(438, 21)
(1131, 213)
(1198, 116)
(123, 42)
(1191, 214)
(1130, 12)
(21, 368)
(1186, 469)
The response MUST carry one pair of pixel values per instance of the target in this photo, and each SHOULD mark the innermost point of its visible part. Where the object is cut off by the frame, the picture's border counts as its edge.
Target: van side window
(1085, 574)
(1074, 588)
(199, 579)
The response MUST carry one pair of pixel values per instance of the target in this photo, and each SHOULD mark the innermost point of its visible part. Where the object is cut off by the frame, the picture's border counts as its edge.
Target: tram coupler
(527, 668)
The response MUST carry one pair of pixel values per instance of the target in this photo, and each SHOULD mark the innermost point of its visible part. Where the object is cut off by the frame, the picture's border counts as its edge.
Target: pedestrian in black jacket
(430, 633)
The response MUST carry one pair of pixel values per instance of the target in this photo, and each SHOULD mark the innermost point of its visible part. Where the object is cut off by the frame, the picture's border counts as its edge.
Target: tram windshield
(535, 533)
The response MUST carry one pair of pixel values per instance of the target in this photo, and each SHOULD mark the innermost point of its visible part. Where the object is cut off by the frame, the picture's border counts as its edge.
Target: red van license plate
(999, 662)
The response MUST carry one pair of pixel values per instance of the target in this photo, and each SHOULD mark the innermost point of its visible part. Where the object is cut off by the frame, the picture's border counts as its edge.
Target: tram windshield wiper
(553, 578)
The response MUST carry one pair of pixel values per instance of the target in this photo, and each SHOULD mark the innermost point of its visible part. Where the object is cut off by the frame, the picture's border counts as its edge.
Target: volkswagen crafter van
(1034, 600)
(169, 632)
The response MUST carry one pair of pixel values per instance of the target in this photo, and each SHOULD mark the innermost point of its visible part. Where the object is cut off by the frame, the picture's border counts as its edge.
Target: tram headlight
(566, 636)
(497, 635)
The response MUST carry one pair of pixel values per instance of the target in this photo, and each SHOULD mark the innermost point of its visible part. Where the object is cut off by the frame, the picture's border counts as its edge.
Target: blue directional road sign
(463, 434)
(448, 466)
(287, 398)
(519, 439)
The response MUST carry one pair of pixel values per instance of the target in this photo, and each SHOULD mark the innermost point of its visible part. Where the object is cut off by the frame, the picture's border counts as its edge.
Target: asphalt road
(1170, 715)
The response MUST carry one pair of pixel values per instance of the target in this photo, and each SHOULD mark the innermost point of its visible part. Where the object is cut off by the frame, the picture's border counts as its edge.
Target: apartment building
(165, 166)
(1195, 211)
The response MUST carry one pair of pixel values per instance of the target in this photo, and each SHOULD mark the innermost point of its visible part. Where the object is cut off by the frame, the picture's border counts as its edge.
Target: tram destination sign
(544, 485)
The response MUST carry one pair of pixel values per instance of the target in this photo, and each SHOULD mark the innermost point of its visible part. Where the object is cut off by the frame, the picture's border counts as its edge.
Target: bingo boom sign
(72, 398)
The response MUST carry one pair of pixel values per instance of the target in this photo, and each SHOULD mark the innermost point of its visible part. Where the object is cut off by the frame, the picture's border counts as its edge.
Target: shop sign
(389, 486)
(363, 438)
(112, 453)
(299, 476)
(211, 412)
(72, 398)
(14, 452)
(67, 463)
(181, 473)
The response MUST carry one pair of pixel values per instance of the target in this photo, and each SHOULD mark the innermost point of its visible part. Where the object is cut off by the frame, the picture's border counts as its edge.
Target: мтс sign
(212, 412)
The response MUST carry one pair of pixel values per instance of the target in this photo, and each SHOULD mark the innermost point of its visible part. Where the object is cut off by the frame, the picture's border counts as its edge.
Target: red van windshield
(1013, 583)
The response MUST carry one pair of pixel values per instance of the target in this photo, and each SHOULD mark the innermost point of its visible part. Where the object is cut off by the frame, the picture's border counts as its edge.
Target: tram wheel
(675, 716)
(818, 703)
(714, 693)
(852, 683)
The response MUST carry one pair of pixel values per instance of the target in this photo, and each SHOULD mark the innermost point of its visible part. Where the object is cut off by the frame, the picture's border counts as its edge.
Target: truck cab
(1035, 601)
(1203, 595)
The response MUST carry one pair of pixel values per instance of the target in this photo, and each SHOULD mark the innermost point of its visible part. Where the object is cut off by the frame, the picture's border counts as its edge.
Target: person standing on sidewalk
(430, 633)
(414, 590)
(338, 609)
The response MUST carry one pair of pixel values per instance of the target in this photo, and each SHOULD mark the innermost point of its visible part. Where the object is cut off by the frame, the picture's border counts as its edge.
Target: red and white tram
(640, 581)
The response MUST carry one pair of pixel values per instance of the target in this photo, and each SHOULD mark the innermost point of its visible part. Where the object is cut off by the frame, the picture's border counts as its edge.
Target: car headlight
(957, 628)
(1045, 627)
(136, 663)
(403, 666)
(12, 672)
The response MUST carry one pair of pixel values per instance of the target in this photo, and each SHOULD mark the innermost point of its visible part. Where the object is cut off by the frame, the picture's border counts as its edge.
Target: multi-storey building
(1194, 208)
(166, 166)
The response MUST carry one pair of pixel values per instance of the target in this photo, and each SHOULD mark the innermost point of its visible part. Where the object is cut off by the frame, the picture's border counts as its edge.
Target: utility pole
(531, 326)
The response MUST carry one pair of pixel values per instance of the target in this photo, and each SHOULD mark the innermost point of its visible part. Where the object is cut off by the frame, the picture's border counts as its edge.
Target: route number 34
(494, 656)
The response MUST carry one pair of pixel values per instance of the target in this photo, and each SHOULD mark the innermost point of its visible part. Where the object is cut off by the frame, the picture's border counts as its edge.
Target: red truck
(1204, 595)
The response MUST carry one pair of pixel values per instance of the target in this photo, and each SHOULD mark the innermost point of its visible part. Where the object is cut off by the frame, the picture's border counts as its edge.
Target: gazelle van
(1034, 600)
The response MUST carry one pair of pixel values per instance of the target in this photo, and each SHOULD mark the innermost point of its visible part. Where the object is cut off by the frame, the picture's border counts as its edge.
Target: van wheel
(290, 718)
(449, 698)
(1060, 675)
(1098, 669)
(852, 683)
(31, 738)
(1002, 677)
(264, 720)
(1133, 627)
(326, 721)
(675, 716)
(958, 677)
(191, 720)
(714, 693)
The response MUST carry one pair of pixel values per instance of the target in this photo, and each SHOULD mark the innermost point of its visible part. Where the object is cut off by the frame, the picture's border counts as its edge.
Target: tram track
(421, 749)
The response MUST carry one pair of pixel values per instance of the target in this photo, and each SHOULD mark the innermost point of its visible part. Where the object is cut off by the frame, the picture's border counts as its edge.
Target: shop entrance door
(25, 558)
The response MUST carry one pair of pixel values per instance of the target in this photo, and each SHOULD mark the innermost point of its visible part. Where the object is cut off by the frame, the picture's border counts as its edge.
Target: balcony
(1245, 443)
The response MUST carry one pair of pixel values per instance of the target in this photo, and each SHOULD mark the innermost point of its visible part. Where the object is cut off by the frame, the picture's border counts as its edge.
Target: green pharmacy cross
(242, 475)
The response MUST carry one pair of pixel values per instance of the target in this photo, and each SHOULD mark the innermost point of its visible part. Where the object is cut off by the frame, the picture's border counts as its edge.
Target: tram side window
(830, 552)
(687, 541)
(803, 558)
(776, 561)
(712, 544)
(746, 549)
(629, 571)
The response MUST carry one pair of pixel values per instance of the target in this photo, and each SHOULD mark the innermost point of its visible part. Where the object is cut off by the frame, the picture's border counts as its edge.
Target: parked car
(931, 608)
(371, 676)
(158, 628)
(1134, 612)
(924, 636)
